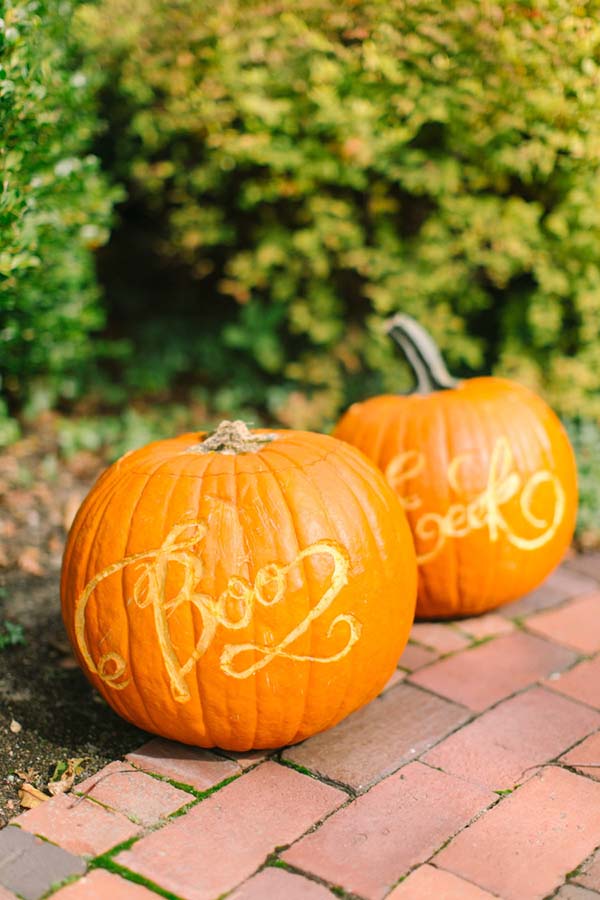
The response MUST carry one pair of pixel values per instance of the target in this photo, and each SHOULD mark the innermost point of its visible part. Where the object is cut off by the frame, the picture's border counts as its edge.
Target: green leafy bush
(585, 437)
(54, 205)
(316, 166)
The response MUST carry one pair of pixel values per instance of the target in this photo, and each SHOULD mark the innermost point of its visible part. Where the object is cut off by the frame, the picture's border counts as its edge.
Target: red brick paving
(429, 883)
(576, 625)
(589, 874)
(482, 676)
(375, 741)
(368, 846)
(582, 682)
(560, 586)
(396, 677)
(199, 769)
(80, 826)
(415, 657)
(588, 564)
(587, 751)
(138, 796)
(523, 848)
(443, 638)
(244, 760)
(574, 892)
(497, 748)
(425, 758)
(486, 626)
(278, 884)
(544, 597)
(102, 885)
(224, 839)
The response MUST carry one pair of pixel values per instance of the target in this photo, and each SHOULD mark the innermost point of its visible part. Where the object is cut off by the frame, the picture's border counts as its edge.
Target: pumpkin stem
(422, 354)
(233, 437)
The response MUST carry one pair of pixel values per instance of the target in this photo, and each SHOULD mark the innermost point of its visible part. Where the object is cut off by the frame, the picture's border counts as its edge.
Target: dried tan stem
(234, 437)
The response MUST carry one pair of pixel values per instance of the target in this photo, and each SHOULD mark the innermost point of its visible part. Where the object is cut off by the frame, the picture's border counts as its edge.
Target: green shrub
(317, 165)
(585, 437)
(54, 206)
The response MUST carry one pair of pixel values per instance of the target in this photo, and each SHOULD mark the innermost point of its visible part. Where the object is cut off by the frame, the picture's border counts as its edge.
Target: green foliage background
(295, 172)
(54, 207)
(308, 168)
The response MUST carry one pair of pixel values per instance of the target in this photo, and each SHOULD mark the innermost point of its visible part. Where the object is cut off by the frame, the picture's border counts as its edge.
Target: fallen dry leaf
(33, 518)
(63, 646)
(43, 493)
(29, 561)
(63, 786)
(30, 775)
(15, 726)
(30, 797)
(73, 503)
(26, 446)
(83, 464)
(64, 783)
(19, 500)
(55, 545)
(68, 663)
(7, 527)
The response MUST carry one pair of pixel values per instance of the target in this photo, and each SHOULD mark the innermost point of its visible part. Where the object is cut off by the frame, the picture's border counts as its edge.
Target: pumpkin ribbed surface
(239, 599)
(485, 472)
(487, 478)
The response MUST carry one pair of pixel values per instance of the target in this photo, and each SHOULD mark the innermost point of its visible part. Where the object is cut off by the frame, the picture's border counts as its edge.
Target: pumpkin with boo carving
(486, 475)
(242, 590)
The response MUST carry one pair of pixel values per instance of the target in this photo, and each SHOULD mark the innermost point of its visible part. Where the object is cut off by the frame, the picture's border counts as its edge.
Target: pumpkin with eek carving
(240, 590)
(486, 475)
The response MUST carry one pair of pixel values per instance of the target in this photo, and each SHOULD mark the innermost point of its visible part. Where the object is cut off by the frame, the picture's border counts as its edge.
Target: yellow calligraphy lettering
(401, 469)
(432, 529)
(232, 610)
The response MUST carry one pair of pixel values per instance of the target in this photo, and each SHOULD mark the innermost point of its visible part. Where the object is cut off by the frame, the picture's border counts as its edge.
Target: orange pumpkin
(486, 475)
(241, 590)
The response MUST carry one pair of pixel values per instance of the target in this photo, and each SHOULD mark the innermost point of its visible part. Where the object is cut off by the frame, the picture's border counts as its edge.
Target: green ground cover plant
(11, 634)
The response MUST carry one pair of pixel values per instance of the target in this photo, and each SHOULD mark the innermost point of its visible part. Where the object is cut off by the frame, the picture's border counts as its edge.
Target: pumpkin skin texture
(486, 475)
(243, 597)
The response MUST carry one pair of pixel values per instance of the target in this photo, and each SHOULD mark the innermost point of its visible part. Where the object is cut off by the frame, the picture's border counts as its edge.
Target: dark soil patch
(41, 686)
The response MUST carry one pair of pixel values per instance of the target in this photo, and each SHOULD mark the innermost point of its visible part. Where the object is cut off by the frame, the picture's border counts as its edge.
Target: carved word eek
(484, 510)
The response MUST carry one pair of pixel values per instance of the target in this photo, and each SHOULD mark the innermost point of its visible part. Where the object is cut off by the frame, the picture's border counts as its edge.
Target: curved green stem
(422, 354)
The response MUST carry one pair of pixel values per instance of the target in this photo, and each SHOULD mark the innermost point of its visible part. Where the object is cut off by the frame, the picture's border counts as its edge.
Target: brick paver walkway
(440, 789)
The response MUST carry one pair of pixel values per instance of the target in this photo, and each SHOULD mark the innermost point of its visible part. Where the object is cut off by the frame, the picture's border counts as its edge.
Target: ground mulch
(42, 689)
